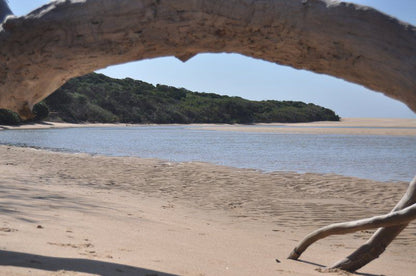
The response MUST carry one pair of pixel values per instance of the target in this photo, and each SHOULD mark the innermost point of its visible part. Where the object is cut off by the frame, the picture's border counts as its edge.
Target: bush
(41, 111)
(8, 117)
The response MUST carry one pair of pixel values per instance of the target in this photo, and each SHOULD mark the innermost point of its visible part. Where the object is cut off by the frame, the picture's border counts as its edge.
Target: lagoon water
(383, 158)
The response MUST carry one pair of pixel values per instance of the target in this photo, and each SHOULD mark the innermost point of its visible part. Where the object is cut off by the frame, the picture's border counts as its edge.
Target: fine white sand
(76, 214)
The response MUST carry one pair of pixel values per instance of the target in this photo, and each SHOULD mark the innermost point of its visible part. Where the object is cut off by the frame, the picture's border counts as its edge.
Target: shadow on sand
(18, 259)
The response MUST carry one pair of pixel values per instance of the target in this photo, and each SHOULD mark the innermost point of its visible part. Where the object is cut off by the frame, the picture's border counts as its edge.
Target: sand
(77, 214)
(347, 126)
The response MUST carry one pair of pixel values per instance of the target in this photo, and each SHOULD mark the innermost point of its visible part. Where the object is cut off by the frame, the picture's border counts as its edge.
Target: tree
(8, 117)
(4, 10)
(98, 98)
(41, 111)
(360, 45)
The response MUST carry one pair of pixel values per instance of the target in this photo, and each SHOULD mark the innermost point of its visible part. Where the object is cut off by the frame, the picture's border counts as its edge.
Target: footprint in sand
(8, 230)
(81, 245)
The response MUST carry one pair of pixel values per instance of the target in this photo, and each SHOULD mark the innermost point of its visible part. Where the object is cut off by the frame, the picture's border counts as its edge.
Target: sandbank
(77, 214)
(347, 126)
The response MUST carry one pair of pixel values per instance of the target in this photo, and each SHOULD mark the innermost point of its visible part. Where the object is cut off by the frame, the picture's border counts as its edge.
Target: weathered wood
(402, 217)
(378, 243)
(392, 224)
(64, 39)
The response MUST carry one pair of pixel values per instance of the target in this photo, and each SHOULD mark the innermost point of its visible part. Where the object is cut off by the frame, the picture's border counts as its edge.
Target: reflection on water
(375, 157)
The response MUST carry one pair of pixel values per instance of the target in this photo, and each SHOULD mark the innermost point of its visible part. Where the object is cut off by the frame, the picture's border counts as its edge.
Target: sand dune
(76, 214)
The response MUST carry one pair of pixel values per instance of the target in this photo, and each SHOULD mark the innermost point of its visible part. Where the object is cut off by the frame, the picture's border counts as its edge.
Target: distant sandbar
(347, 126)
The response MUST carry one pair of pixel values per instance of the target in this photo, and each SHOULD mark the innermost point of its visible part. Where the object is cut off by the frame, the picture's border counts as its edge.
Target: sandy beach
(346, 126)
(77, 214)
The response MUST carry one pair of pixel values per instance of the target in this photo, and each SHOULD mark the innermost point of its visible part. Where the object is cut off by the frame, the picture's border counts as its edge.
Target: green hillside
(97, 98)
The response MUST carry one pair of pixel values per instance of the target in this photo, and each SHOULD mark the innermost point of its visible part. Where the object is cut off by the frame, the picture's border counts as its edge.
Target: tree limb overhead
(64, 39)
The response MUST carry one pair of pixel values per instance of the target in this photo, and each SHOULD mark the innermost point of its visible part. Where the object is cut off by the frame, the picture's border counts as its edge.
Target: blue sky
(236, 75)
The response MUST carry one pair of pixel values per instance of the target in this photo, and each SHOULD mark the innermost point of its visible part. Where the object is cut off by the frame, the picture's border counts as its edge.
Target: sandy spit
(76, 214)
(348, 126)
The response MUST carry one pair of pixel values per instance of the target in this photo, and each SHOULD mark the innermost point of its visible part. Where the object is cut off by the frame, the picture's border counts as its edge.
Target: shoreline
(152, 217)
(168, 161)
(347, 126)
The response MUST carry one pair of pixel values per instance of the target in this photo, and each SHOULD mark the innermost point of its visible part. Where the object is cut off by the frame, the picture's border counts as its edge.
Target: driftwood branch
(395, 221)
(378, 243)
(64, 39)
(402, 217)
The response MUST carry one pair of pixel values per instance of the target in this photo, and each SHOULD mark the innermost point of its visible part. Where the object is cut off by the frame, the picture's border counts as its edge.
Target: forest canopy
(96, 98)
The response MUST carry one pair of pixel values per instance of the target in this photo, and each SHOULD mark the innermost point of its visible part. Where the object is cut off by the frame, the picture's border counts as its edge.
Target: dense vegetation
(40, 111)
(98, 98)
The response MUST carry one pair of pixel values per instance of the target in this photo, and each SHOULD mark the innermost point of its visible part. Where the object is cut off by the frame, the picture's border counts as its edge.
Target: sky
(237, 75)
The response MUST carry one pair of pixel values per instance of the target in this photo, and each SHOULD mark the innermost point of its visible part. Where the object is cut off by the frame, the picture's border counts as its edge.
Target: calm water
(375, 157)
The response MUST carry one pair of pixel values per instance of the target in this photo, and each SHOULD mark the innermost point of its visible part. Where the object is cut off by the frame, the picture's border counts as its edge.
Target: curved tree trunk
(67, 38)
